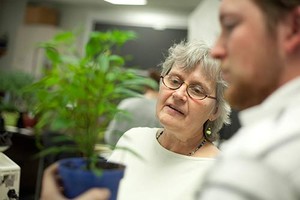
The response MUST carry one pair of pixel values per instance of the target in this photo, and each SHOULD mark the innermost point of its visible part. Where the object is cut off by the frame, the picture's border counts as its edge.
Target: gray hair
(188, 55)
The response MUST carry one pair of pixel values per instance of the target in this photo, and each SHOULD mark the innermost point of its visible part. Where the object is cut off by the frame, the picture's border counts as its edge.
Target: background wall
(11, 17)
(85, 18)
(81, 17)
(203, 23)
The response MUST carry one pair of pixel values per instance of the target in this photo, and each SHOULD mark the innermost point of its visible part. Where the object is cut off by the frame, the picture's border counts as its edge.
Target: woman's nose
(181, 93)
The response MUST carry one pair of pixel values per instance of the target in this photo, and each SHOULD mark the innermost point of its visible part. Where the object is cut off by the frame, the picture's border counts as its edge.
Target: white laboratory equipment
(9, 178)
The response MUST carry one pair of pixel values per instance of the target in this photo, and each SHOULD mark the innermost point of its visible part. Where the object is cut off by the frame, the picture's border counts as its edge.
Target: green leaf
(103, 61)
(53, 55)
(66, 37)
(117, 60)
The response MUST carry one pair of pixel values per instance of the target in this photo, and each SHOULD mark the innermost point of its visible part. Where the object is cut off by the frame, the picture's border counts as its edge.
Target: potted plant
(79, 95)
(14, 99)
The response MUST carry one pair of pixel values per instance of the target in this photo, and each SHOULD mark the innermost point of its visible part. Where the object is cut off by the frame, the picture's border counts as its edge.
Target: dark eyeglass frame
(187, 91)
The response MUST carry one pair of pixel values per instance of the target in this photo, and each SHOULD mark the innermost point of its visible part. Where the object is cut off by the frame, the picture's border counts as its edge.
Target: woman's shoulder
(138, 133)
(208, 151)
(142, 130)
(136, 140)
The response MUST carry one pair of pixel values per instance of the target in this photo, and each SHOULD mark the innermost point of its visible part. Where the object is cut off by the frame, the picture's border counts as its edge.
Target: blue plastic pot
(76, 180)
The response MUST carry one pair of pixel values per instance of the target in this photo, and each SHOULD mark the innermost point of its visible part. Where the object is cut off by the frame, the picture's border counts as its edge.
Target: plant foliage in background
(79, 94)
(13, 84)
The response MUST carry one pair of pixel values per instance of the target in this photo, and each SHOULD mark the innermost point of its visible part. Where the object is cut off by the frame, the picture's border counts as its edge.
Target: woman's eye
(175, 80)
(197, 90)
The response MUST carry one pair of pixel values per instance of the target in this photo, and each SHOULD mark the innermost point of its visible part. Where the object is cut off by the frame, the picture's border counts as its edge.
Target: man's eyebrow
(227, 12)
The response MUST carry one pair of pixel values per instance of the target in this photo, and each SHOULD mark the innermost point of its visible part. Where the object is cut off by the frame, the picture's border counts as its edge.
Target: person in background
(175, 158)
(136, 112)
(259, 50)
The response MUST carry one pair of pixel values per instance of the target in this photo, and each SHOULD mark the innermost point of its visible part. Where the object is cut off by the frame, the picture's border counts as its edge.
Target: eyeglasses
(195, 91)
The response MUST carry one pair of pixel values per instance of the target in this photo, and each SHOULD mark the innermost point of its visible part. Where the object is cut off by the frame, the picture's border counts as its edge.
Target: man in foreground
(259, 48)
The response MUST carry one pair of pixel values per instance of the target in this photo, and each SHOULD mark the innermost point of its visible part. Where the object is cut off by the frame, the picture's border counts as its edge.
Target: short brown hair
(274, 10)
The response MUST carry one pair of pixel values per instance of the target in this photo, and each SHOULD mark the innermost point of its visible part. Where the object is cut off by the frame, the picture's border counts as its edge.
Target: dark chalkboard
(151, 46)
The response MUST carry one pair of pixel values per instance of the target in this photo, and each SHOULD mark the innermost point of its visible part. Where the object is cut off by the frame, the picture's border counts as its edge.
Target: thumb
(95, 194)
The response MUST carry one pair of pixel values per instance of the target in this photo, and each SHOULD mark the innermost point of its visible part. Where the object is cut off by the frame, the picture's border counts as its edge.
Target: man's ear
(292, 42)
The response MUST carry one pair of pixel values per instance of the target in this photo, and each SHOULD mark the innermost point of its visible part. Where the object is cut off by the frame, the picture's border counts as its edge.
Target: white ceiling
(177, 5)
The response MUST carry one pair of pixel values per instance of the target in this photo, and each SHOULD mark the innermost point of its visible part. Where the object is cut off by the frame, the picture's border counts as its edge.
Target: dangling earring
(208, 131)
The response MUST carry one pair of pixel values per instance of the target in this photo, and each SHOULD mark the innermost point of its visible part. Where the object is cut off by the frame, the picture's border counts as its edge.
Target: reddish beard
(243, 94)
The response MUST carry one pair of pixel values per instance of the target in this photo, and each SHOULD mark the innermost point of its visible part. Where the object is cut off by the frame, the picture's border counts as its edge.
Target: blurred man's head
(256, 47)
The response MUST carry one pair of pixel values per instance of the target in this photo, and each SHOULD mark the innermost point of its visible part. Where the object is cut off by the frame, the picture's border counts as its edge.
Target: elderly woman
(192, 110)
(175, 158)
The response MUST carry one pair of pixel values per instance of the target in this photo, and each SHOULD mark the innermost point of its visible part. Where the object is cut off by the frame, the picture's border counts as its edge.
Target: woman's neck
(181, 145)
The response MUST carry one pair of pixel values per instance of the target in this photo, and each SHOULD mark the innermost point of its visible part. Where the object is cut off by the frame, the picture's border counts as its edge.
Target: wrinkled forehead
(209, 72)
(197, 70)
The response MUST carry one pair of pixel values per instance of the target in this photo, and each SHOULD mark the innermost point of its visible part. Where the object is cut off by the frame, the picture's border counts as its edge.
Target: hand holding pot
(52, 190)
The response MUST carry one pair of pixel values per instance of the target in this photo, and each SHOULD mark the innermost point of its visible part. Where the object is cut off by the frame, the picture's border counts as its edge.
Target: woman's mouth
(176, 109)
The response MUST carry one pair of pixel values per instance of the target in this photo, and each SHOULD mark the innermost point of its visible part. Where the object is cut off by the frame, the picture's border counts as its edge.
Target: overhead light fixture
(127, 2)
